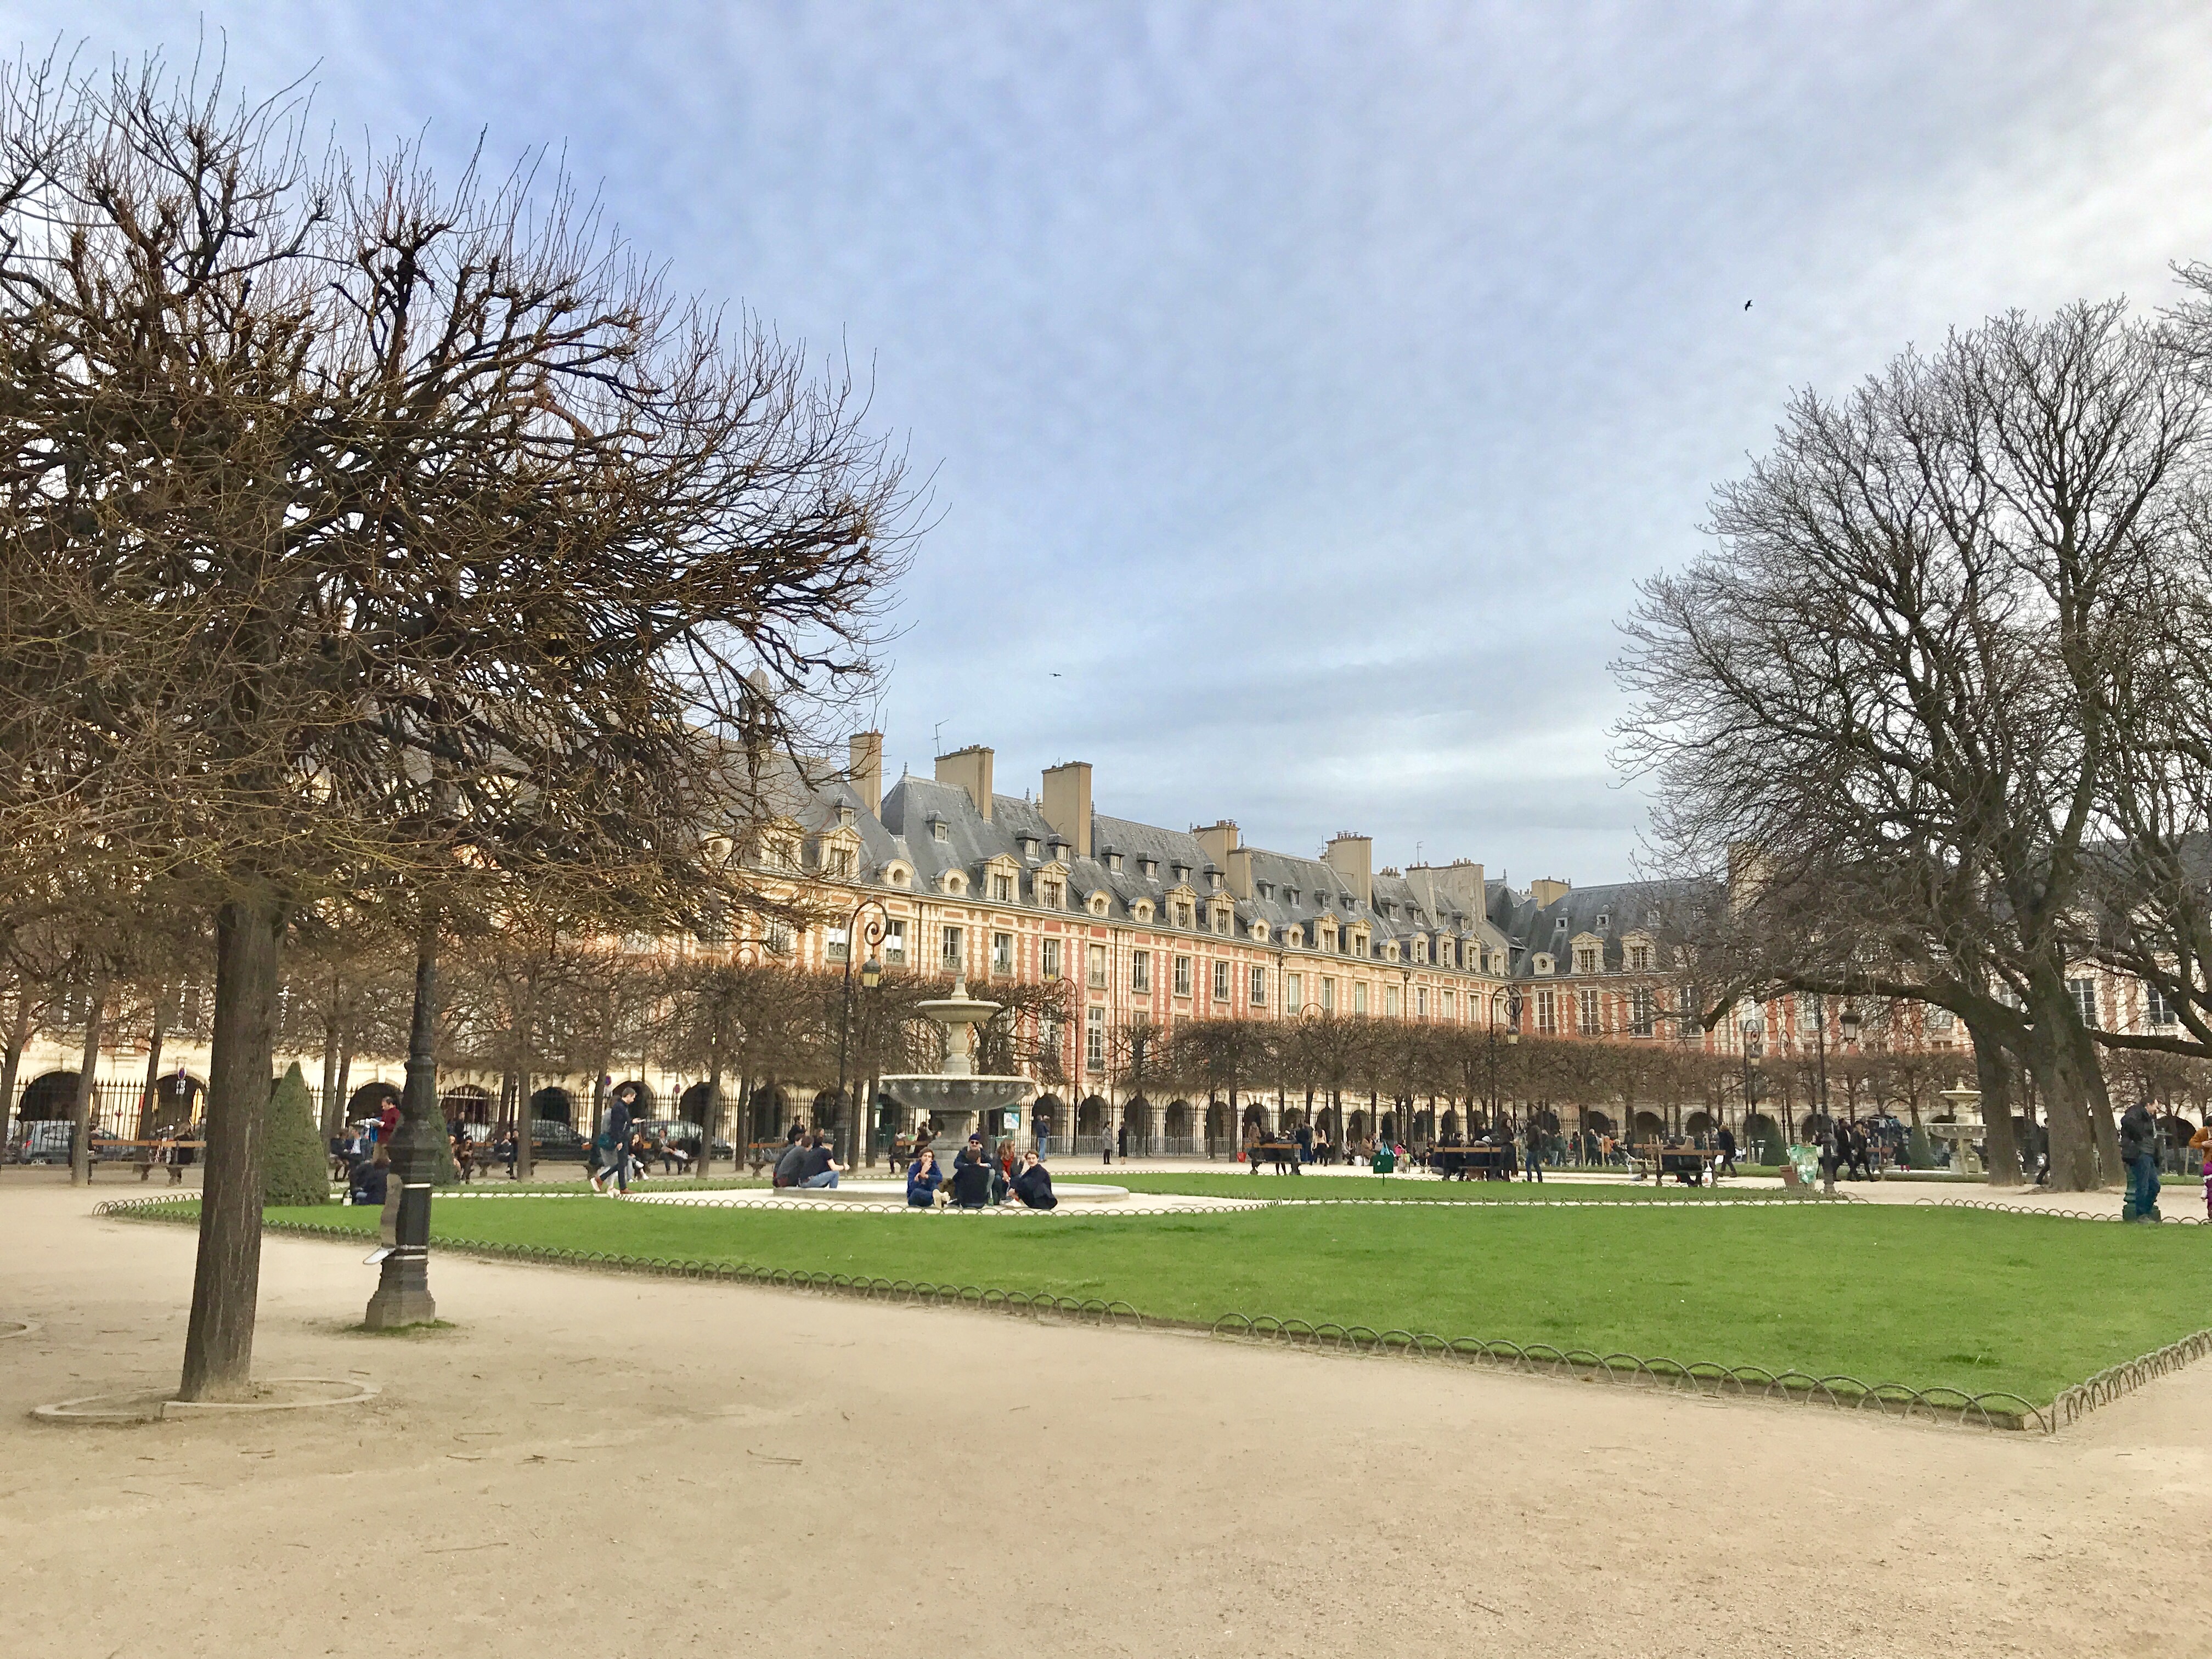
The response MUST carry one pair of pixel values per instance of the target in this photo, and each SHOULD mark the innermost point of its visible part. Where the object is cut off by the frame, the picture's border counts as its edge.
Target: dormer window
(1098, 904)
(1291, 897)
(1029, 846)
(937, 828)
(1221, 918)
(844, 816)
(1002, 888)
(1544, 966)
(1586, 960)
(1051, 893)
(1267, 891)
(1212, 879)
(1182, 915)
(1182, 871)
(1601, 919)
(1150, 867)
(1114, 861)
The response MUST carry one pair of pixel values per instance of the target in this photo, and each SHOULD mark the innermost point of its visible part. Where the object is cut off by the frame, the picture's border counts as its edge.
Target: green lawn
(1972, 1300)
(1222, 1184)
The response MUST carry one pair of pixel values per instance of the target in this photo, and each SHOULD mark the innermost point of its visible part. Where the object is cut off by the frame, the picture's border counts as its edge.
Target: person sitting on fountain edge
(819, 1168)
(971, 1177)
(1033, 1186)
(923, 1178)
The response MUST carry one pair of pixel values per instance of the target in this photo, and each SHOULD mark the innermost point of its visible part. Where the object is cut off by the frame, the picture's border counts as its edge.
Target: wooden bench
(145, 1162)
(1283, 1154)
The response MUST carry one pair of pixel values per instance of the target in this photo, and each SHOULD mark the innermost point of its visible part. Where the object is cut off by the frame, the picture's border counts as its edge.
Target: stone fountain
(1965, 1128)
(955, 1095)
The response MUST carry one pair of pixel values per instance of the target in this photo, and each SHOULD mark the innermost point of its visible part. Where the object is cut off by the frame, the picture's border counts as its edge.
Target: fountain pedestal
(955, 1095)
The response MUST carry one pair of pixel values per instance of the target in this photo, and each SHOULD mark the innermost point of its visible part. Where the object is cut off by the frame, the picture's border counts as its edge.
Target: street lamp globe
(871, 974)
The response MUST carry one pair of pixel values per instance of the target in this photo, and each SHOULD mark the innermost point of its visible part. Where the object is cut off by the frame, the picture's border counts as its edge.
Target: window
(1421, 1001)
(1221, 982)
(1221, 921)
(1641, 1012)
(937, 828)
(1094, 959)
(1548, 1012)
(1050, 963)
(1639, 958)
(1002, 953)
(895, 941)
(1586, 1017)
(1390, 1000)
(1259, 988)
(1328, 995)
(1942, 1019)
(2159, 1008)
(1359, 997)
(840, 862)
(1098, 904)
(835, 946)
(2084, 993)
(1182, 915)
(1140, 972)
(1182, 976)
(1052, 893)
(1002, 890)
(1150, 867)
(1294, 993)
(954, 950)
(778, 939)
(1094, 1040)
(1446, 1002)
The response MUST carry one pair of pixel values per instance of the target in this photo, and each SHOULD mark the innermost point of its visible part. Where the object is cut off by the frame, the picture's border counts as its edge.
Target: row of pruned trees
(1931, 719)
(385, 560)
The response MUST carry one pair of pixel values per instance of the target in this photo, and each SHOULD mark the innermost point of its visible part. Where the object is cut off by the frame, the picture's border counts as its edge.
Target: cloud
(1307, 384)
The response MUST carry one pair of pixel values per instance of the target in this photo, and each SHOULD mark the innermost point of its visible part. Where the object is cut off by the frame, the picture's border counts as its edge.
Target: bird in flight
(1060, 676)
(1746, 305)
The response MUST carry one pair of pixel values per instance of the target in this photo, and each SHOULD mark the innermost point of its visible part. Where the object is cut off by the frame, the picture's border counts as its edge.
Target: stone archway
(1449, 1131)
(1650, 1126)
(466, 1102)
(1177, 1126)
(1048, 1117)
(49, 1098)
(1091, 1116)
(553, 1104)
(370, 1099)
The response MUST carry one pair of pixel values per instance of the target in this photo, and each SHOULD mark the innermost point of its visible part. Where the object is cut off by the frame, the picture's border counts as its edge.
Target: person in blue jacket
(923, 1178)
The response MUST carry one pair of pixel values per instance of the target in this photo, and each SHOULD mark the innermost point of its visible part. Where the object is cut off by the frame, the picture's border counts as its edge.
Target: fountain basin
(954, 1102)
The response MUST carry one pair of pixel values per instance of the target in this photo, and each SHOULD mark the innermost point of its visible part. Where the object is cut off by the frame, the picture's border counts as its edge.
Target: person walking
(1726, 1164)
(2139, 1139)
(1305, 1143)
(1121, 1140)
(1533, 1145)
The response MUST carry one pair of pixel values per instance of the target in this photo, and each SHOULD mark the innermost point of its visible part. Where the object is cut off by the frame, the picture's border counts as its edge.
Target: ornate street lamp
(872, 974)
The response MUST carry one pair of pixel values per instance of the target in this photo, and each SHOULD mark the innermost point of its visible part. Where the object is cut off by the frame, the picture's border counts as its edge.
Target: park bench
(1283, 1154)
(1660, 1161)
(1466, 1162)
(114, 1151)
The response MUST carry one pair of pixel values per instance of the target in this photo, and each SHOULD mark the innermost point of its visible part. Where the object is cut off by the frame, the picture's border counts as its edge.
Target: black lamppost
(871, 974)
(1751, 1034)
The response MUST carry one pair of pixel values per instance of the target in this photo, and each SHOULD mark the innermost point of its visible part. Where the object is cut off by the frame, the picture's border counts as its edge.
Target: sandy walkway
(593, 1465)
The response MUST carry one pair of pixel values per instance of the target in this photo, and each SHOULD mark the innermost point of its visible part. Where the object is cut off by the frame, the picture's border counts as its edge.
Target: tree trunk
(403, 1293)
(164, 1010)
(86, 1082)
(712, 1114)
(525, 1165)
(346, 1075)
(333, 1108)
(2056, 1065)
(11, 1065)
(227, 1278)
(1995, 1072)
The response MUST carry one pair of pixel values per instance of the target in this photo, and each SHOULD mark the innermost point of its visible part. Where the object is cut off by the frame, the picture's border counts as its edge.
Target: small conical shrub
(295, 1168)
(1919, 1151)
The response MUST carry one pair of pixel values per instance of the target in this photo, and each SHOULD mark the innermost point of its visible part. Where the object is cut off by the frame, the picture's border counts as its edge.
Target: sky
(1303, 388)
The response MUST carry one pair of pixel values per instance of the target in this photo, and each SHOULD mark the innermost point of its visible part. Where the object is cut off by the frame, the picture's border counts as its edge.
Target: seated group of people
(807, 1161)
(978, 1181)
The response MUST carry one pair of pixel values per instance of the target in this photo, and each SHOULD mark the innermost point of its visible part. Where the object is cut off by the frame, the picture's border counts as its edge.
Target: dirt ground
(593, 1465)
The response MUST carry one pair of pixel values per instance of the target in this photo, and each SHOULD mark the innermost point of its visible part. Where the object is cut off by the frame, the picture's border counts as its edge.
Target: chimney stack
(1066, 804)
(1219, 840)
(1353, 857)
(864, 770)
(970, 768)
(1547, 890)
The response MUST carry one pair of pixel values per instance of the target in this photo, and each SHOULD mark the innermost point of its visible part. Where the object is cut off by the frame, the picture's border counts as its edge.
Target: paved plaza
(601, 1464)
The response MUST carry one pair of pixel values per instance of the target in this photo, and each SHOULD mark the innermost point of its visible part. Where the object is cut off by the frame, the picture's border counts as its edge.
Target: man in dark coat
(2139, 1139)
(1727, 1152)
(971, 1177)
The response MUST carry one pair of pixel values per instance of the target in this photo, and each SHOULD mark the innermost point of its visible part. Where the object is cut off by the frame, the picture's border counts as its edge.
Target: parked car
(551, 1139)
(44, 1142)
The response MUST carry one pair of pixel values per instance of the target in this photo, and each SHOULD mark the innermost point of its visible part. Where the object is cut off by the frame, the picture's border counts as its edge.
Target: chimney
(1219, 841)
(1353, 857)
(1238, 864)
(1548, 891)
(864, 770)
(970, 768)
(1066, 804)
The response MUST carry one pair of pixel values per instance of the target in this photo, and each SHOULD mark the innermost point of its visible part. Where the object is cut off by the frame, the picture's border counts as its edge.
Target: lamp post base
(403, 1294)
